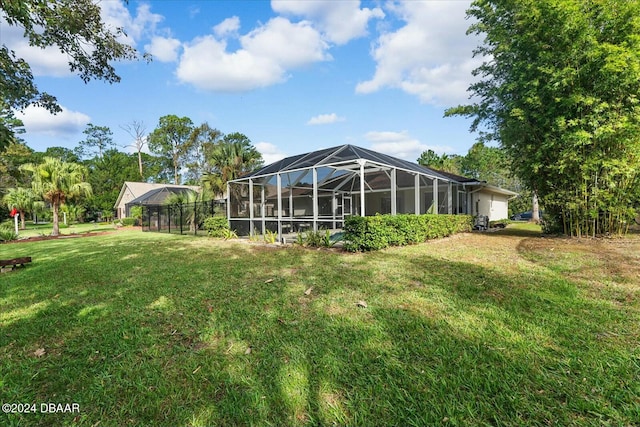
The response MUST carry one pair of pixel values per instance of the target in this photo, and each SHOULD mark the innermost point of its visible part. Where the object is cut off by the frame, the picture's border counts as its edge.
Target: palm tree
(20, 199)
(231, 158)
(57, 181)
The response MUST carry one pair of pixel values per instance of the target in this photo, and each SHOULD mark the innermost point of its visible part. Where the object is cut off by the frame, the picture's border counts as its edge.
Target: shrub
(316, 239)
(270, 236)
(381, 231)
(218, 226)
(136, 212)
(128, 222)
(7, 233)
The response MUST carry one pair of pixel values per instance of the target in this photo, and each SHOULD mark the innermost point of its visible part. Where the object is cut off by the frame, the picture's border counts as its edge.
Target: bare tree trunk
(137, 131)
(140, 163)
(56, 225)
(535, 212)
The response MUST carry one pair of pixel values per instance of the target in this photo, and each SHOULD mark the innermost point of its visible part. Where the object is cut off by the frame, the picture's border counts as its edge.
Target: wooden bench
(14, 263)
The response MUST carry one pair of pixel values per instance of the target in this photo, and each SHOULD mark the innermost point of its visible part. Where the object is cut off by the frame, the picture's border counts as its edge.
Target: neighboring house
(145, 193)
(319, 189)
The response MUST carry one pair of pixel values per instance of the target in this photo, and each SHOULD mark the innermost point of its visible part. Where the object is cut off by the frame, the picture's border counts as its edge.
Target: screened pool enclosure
(319, 190)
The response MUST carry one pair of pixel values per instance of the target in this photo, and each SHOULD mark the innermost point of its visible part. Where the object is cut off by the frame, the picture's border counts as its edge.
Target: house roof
(341, 155)
(137, 189)
(158, 196)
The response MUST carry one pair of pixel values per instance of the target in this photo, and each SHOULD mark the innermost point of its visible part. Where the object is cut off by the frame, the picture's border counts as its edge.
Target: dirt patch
(62, 236)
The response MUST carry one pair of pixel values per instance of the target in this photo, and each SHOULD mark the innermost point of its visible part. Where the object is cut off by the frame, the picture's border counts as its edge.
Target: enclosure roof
(158, 196)
(341, 154)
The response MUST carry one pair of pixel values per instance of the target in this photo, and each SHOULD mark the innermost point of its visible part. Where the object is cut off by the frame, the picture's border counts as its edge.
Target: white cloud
(324, 119)
(401, 144)
(116, 15)
(339, 21)
(163, 49)
(52, 62)
(266, 55)
(270, 153)
(229, 26)
(38, 120)
(430, 56)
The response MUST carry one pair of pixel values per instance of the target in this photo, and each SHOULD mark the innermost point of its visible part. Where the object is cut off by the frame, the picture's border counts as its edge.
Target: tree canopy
(57, 182)
(559, 89)
(172, 138)
(75, 27)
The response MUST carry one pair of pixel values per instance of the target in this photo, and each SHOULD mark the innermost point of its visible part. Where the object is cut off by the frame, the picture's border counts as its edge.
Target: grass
(504, 328)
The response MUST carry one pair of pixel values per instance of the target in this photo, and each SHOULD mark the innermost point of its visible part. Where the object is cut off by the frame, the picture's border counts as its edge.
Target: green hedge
(371, 233)
(128, 222)
(217, 226)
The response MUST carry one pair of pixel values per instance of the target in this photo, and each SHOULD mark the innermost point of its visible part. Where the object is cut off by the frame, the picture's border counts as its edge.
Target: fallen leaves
(308, 291)
(39, 352)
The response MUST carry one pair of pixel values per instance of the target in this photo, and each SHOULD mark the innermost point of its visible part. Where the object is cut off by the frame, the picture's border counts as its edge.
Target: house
(139, 193)
(319, 189)
(485, 199)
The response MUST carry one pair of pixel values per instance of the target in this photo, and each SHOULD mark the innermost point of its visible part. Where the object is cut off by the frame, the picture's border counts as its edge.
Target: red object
(13, 212)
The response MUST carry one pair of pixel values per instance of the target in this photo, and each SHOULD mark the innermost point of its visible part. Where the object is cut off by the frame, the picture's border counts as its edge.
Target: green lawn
(502, 328)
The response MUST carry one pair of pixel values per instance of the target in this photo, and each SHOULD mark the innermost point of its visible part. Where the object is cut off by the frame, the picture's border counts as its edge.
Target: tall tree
(106, 176)
(98, 139)
(76, 28)
(203, 139)
(444, 162)
(57, 181)
(560, 90)
(138, 131)
(231, 158)
(20, 199)
(171, 138)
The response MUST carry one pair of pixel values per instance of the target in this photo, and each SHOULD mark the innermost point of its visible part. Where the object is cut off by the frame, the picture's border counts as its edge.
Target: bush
(128, 222)
(217, 226)
(381, 231)
(7, 233)
(316, 239)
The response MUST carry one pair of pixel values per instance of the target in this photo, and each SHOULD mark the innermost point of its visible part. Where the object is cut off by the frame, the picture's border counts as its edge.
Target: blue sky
(294, 76)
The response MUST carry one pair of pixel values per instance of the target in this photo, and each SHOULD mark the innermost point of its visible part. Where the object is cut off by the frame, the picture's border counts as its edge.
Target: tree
(57, 181)
(20, 199)
(559, 90)
(203, 139)
(171, 139)
(444, 162)
(231, 158)
(75, 27)
(62, 153)
(10, 126)
(137, 130)
(99, 138)
(106, 176)
(14, 155)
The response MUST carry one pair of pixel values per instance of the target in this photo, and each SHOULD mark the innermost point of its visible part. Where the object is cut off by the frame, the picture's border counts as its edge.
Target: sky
(293, 76)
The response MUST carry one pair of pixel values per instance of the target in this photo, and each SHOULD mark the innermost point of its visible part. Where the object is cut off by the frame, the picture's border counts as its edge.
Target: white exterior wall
(493, 205)
(127, 196)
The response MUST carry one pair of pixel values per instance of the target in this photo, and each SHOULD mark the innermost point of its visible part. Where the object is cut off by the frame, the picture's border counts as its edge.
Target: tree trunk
(140, 164)
(56, 226)
(535, 211)
(22, 224)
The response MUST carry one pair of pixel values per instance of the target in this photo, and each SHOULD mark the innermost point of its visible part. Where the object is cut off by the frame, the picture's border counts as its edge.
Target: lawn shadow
(234, 334)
